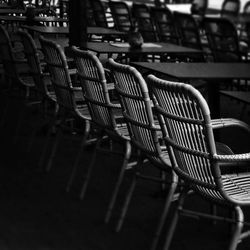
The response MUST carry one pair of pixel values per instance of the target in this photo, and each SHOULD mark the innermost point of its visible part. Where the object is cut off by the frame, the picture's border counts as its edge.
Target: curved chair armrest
(19, 60)
(233, 158)
(230, 122)
(115, 105)
(76, 89)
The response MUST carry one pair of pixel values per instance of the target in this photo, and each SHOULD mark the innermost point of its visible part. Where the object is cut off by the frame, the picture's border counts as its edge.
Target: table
(5, 11)
(23, 19)
(47, 30)
(147, 49)
(213, 73)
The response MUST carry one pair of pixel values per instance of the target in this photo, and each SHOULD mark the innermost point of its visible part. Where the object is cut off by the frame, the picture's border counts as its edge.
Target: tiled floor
(37, 214)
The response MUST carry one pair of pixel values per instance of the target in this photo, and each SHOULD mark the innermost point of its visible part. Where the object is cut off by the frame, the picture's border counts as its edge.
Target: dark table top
(207, 71)
(65, 30)
(147, 48)
(37, 18)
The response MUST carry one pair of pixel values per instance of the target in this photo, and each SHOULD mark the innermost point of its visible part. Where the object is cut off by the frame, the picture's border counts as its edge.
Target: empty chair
(246, 8)
(16, 75)
(230, 8)
(144, 22)
(121, 15)
(189, 32)
(145, 136)
(199, 7)
(71, 105)
(16, 70)
(189, 135)
(222, 39)
(45, 93)
(245, 27)
(99, 13)
(106, 117)
(165, 25)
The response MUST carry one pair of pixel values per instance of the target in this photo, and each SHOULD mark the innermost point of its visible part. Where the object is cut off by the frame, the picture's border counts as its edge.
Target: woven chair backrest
(33, 59)
(121, 15)
(246, 8)
(165, 25)
(185, 116)
(99, 13)
(222, 39)
(58, 68)
(137, 109)
(144, 22)
(6, 55)
(230, 7)
(188, 30)
(91, 75)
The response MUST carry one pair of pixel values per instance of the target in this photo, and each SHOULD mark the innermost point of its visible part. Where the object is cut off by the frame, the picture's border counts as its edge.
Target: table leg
(214, 99)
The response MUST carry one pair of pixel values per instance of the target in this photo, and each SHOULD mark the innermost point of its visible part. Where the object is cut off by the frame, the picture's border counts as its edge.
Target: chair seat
(122, 130)
(237, 186)
(84, 111)
(27, 81)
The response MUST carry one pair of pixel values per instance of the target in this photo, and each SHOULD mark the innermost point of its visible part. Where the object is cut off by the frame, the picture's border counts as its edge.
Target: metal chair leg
(168, 202)
(19, 124)
(175, 218)
(119, 181)
(238, 228)
(53, 150)
(126, 204)
(78, 157)
(90, 169)
(51, 127)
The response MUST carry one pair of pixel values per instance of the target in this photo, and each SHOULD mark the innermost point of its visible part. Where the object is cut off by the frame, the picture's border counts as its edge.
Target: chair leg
(126, 204)
(90, 169)
(53, 150)
(119, 181)
(4, 113)
(19, 124)
(78, 157)
(175, 218)
(168, 202)
(51, 127)
(238, 228)
(128, 196)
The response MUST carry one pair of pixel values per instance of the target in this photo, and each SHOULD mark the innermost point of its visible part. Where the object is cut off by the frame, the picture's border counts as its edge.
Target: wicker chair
(189, 33)
(217, 177)
(16, 73)
(106, 117)
(230, 8)
(165, 25)
(69, 98)
(145, 136)
(45, 93)
(121, 15)
(144, 22)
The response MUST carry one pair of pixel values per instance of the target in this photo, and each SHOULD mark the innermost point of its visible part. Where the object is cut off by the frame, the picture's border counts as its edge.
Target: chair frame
(105, 117)
(144, 133)
(185, 120)
(70, 106)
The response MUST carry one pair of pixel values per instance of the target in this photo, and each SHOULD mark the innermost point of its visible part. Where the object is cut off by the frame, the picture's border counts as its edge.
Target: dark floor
(37, 214)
